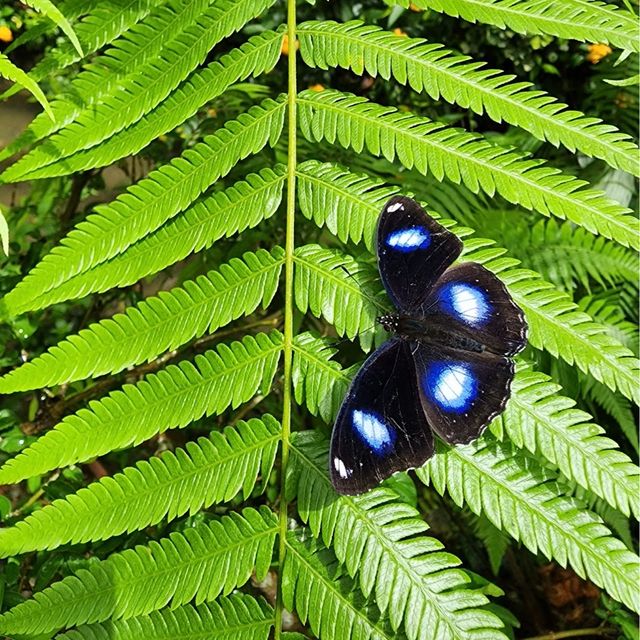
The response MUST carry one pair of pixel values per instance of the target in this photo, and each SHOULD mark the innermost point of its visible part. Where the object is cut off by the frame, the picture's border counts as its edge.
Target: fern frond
(549, 424)
(237, 616)
(555, 323)
(241, 206)
(47, 8)
(155, 325)
(383, 542)
(149, 203)
(518, 496)
(557, 326)
(459, 80)
(314, 587)
(613, 319)
(195, 565)
(141, 91)
(102, 24)
(564, 254)
(255, 57)
(463, 157)
(584, 20)
(318, 381)
(213, 470)
(174, 397)
(16, 74)
(334, 285)
(617, 406)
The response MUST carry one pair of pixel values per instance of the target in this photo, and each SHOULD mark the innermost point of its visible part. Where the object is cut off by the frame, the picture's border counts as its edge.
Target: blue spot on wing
(451, 385)
(373, 431)
(409, 239)
(465, 302)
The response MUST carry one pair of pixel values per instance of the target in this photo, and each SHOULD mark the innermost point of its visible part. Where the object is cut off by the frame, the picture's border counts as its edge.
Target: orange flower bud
(285, 45)
(597, 52)
(5, 34)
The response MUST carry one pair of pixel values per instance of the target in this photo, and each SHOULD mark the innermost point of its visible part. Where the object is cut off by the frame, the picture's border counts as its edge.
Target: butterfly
(447, 368)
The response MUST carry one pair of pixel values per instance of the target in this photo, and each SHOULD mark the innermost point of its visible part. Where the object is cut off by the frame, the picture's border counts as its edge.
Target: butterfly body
(447, 367)
(428, 332)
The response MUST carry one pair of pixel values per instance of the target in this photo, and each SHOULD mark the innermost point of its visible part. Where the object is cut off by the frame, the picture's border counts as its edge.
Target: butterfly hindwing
(413, 252)
(381, 427)
(470, 300)
(461, 391)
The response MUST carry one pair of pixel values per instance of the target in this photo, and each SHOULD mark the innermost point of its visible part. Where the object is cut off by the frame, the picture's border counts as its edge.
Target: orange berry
(399, 32)
(317, 87)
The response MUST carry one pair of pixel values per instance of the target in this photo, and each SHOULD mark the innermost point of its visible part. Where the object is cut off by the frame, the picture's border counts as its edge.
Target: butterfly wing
(461, 391)
(471, 301)
(413, 252)
(381, 427)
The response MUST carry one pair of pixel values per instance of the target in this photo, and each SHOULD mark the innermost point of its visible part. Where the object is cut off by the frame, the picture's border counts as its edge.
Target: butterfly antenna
(364, 294)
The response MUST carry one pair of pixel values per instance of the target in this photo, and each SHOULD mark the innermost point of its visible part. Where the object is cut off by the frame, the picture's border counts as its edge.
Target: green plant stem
(288, 302)
(575, 633)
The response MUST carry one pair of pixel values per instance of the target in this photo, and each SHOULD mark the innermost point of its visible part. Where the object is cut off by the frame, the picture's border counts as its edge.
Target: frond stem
(576, 633)
(288, 301)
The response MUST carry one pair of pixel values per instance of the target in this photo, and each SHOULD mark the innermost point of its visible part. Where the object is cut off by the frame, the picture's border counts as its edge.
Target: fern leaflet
(585, 20)
(463, 157)
(157, 324)
(442, 73)
(213, 470)
(238, 616)
(518, 496)
(222, 214)
(376, 537)
(172, 398)
(149, 203)
(184, 567)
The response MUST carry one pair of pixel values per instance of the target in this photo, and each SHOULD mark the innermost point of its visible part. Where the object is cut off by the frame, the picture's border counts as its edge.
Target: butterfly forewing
(413, 252)
(381, 427)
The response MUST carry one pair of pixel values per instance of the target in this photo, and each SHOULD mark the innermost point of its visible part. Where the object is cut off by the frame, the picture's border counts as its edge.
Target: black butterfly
(447, 368)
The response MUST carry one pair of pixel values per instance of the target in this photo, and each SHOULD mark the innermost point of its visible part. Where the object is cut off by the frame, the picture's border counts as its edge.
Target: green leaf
(148, 204)
(15, 74)
(172, 398)
(194, 566)
(549, 424)
(458, 79)
(334, 285)
(241, 206)
(584, 20)
(255, 57)
(238, 616)
(142, 90)
(382, 541)
(313, 586)
(518, 496)
(155, 325)
(418, 142)
(213, 470)
(318, 381)
(51, 11)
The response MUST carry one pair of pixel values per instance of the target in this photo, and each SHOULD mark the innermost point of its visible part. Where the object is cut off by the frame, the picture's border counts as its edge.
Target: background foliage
(174, 350)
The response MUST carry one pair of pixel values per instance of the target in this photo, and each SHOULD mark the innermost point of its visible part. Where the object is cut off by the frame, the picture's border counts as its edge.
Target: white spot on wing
(395, 207)
(343, 472)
